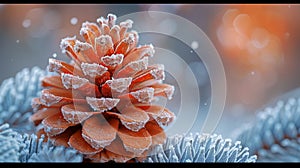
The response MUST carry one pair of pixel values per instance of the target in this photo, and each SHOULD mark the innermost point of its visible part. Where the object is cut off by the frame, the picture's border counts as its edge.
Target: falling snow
(54, 55)
(17, 41)
(194, 45)
(26, 23)
(73, 20)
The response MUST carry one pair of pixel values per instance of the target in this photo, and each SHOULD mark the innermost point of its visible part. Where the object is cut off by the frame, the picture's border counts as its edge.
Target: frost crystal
(169, 92)
(56, 154)
(17, 147)
(274, 135)
(54, 65)
(111, 19)
(128, 23)
(15, 97)
(112, 60)
(139, 64)
(74, 116)
(48, 99)
(9, 146)
(144, 95)
(199, 148)
(102, 104)
(104, 40)
(93, 70)
(149, 51)
(119, 85)
(35, 150)
(158, 73)
(64, 43)
(70, 81)
(81, 46)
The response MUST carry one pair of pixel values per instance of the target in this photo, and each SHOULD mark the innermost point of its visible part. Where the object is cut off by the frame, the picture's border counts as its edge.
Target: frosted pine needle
(9, 145)
(34, 149)
(15, 97)
(274, 135)
(56, 154)
(200, 148)
(17, 147)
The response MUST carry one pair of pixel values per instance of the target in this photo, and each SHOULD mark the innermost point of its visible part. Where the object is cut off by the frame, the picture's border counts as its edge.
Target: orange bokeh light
(254, 33)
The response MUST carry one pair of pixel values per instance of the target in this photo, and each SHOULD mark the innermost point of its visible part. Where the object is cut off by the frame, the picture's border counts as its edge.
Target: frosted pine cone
(103, 102)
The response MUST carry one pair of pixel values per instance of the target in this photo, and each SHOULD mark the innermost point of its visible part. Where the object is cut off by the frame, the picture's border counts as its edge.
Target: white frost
(54, 65)
(102, 104)
(130, 39)
(71, 81)
(79, 46)
(104, 40)
(93, 70)
(51, 130)
(127, 23)
(169, 92)
(148, 50)
(119, 85)
(144, 95)
(73, 116)
(112, 60)
(101, 21)
(111, 19)
(139, 64)
(158, 73)
(134, 125)
(164, 118)
(96, 144)
(64, 43)
(48, 99)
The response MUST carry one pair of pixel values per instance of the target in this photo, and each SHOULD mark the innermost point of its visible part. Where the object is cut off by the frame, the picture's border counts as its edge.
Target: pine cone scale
(156, 132)
(135, 142)
(52, 81)
(99, 132)
(38, 116)
(77, 142)
(63, 138)
(76, 115)
(55, 124)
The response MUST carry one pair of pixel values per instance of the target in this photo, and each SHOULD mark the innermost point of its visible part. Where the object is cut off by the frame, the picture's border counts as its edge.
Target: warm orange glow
(254, 33)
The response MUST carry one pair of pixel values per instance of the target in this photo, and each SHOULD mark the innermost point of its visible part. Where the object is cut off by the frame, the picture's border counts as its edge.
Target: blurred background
(258, 45)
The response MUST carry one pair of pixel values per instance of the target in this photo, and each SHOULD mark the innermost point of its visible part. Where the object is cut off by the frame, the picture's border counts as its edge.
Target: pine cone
(104, 102)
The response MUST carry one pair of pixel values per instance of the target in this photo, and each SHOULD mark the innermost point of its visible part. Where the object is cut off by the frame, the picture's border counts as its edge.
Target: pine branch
(274, 135)
(36, 150)
(9, 145)
(16, 147)
(16, 94)
(200, 148)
